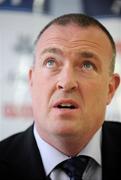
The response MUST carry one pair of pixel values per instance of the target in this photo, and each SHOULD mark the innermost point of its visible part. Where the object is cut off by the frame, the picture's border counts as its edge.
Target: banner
(18, 5)
(18, 32)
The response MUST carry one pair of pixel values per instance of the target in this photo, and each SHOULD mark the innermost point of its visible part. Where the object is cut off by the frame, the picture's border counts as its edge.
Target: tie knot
(75, 166)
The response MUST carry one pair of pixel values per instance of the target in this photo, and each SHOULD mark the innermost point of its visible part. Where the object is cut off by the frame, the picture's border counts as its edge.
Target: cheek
(39, 99)
(95, 103)
(42, 90)
(96, 93)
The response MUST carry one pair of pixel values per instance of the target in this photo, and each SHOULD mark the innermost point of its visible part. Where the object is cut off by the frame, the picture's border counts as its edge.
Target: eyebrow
(52, 50)
(86, 54)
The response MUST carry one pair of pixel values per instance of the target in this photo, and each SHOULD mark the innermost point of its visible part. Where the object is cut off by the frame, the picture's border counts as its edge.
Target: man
(72, 81)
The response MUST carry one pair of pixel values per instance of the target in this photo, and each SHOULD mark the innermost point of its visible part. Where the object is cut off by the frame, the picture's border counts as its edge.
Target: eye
(87, 65)
(50, 63)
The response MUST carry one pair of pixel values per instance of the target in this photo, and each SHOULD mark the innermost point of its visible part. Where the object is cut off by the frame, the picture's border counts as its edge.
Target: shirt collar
(92, 149)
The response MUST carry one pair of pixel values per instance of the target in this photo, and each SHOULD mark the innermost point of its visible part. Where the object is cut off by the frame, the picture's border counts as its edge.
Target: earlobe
(113, 85)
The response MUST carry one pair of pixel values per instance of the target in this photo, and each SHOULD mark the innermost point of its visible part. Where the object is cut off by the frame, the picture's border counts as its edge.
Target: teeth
(66, 105)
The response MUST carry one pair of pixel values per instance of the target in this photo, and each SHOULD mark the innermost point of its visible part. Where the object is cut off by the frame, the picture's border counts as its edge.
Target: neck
(69, 146)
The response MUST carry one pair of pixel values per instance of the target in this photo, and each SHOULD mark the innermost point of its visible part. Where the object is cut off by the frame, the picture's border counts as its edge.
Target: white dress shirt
(51, 157)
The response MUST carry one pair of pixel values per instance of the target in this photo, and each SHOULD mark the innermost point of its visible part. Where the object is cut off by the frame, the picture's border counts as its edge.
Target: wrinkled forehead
(74, 36)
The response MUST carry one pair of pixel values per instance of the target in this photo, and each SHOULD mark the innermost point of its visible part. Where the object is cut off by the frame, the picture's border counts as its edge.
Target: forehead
(72, 36)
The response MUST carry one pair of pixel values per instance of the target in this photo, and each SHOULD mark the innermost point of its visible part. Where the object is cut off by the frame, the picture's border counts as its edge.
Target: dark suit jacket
(20, 158)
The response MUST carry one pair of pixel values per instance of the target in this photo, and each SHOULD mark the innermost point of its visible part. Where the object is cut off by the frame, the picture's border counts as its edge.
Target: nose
(67, 80)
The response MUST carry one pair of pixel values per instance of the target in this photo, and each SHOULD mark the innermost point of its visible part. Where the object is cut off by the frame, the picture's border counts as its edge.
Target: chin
(65, 130)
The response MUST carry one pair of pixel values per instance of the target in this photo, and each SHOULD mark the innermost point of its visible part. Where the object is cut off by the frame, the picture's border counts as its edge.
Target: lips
(66, 104)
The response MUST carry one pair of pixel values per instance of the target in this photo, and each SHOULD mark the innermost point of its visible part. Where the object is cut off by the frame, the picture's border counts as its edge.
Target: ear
(113, 85)
(30, 74)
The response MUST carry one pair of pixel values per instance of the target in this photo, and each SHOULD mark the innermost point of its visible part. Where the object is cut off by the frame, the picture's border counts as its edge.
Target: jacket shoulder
(111, 134)
(112, 126)
(19, 153)
(14, 142)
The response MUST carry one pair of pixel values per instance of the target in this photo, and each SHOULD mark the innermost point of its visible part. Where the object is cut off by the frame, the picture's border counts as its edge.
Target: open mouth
(66, 106)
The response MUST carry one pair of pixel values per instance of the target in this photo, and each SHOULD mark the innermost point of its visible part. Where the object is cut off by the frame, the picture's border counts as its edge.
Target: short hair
(82, 20)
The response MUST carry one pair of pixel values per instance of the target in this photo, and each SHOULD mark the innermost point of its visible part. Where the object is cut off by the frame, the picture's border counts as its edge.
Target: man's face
(70, 81)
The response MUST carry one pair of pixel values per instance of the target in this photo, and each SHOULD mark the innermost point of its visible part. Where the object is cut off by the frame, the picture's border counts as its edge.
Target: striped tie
(74, 167)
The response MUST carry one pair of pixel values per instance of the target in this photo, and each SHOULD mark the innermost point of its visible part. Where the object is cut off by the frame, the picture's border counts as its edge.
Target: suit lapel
(110, 152)
(34, 166)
